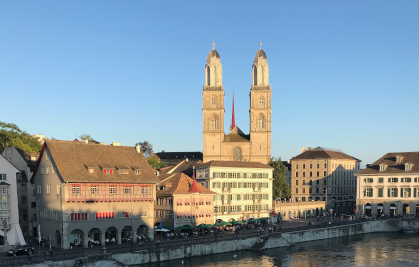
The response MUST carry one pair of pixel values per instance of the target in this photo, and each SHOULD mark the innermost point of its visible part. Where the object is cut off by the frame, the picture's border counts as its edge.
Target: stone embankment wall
(273, 241)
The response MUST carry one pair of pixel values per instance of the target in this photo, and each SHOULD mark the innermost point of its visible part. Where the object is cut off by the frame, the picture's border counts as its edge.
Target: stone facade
(237, 146)
(325, 175)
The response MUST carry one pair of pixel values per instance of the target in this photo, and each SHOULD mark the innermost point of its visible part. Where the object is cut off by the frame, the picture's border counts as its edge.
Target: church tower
(260, 109)
(213, 107)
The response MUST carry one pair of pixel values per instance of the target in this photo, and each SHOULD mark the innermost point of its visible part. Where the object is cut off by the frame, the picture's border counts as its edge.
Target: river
(379, 249)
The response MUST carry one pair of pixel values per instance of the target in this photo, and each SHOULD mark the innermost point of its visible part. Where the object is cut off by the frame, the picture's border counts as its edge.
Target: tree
(11, 135)
(86, 136)
(279, 186)
(156, 164)
(146, 146)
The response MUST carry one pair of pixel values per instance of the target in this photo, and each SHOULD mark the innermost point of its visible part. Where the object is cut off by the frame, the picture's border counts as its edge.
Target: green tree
(86, 136)
(12, 135)
(146, 146)
(156, 164)
(279, 186)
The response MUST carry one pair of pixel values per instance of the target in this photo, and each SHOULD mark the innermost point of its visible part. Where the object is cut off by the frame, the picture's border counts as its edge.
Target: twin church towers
(237, 146)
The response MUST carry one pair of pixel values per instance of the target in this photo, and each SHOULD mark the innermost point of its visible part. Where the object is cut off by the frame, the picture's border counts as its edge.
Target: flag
(39, 232)
(356, 209)
(161, 224)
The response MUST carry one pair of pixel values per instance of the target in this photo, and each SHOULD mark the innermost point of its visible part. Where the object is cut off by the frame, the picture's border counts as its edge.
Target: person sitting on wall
(113, 240)
(107, 241)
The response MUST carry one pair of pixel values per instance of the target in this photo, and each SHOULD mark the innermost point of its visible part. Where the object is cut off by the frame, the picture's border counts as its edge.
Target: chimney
(303, 149)
(116, 143)
(86, 141)
(309, 148)
(138, 148)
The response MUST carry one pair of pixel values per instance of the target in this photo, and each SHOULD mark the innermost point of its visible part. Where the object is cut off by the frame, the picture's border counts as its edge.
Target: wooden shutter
(401, 192)
(253, 175)
(397, 180)
(222, 197)
(239, 197)
(389, 180)
(396, 192)
(253, 208)
(380, 192)
(213, 185)
(259, 208)
(388, 192)
(229, 175)
(410, 192)
(234, 184)
(372, 192)
(238, 175)
(253, 196)
(365, 192)
(253, 185)
(414, 192)
(229, 185)
(229, 198)
(213, 174)
(223, 175)
(244, 185)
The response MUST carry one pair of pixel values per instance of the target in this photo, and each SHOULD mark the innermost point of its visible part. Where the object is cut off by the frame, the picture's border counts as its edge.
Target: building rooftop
(180, 184)
(73, 159)
(392, 166)
(323, 154)
(234, 164)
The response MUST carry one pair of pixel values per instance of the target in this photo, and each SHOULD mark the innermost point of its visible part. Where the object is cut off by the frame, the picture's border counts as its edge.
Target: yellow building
(321, 174)
(244, 188)
(237, 146)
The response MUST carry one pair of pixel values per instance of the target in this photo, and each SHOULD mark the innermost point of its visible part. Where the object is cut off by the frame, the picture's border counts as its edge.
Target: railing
(23, 260)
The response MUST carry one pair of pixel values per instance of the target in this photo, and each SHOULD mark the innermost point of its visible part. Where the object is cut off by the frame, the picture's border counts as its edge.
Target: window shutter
(238, 175)
(416, 180)
(239, 197)
(229, 185)
(223, 175)
(213, 185)
(389, 180)
(229, 175)
(259, 207)
(235, 185)
(253, 175)
(388, 192)
(260, 196)
(372, 192)
(401, 192)
(253, 197)
(222, 197)
(213, 174)
(229, 198)
(244, 185)
(396, 192)
(253, 208)
(229, 209)
(397, 180)
(410, 191)
(260, 185)
(253, 185)
(365, 192)
(380, 192)
(365, 181)
(414, 192)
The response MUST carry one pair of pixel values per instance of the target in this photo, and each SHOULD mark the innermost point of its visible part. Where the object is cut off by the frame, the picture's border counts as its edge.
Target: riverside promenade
(291, 233)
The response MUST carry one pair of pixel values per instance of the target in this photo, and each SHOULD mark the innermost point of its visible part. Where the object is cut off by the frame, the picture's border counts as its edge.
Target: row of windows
(392, 192)
(334, 190)
(127, 190)
(3, 177)
(311, 166)
(334, 182)
(392, 180)
(195, 201)
(239, 208)
(239, 185)
(193, 214)
(103, 215)
(5, 206)
(239, 175)
(227, 197)
(48, 170)
(4, 190)
(310, 174)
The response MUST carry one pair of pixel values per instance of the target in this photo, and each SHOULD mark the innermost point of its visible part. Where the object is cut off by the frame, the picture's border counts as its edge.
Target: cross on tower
(260, 45)
(213, 45)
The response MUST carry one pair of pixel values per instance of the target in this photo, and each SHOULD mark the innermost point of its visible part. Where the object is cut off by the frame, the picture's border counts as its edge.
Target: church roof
(211, 54)
(236, 135)
(260, 54)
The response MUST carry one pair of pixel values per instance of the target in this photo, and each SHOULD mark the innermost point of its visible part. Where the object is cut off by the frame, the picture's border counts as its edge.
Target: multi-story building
(181, 201)
(88, 191)
(9, 216)
(321, 174)
(389, 186)
(26, 163)
(244, 188)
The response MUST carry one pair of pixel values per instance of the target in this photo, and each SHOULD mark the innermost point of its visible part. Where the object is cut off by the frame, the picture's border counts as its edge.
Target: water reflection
(386, 249)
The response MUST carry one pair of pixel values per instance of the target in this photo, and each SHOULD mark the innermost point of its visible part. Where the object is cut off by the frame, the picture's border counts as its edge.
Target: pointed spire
(213, 45)
(233, 119)
(194, 187)
(260, 45)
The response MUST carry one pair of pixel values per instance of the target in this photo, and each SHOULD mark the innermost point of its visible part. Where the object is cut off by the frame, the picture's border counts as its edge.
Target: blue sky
(344, 74)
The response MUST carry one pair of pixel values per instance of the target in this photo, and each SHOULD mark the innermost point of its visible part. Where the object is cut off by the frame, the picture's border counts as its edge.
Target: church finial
(213, 45)
(260, 45)
(233, 119)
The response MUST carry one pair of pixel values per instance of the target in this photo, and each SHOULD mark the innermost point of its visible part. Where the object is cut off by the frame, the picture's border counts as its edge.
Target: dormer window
(399, 159)
(108, 171)
(137, 172)
(91, 170)
(33, 158)
(123, 171)
(408, 166)
(383, 167)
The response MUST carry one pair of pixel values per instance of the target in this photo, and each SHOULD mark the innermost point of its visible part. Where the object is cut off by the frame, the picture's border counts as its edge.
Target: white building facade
(244, 188)
(9, 216)
(389, 186)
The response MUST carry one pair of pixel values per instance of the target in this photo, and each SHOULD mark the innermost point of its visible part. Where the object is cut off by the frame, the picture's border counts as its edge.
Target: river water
(380, 249)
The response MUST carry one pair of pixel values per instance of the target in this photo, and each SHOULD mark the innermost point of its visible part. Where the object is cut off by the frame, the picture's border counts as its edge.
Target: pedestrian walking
(50, 255)
(44, 254)
(29, 256)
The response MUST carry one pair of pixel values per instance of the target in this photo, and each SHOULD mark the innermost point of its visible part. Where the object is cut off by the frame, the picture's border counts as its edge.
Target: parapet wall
(274, 241)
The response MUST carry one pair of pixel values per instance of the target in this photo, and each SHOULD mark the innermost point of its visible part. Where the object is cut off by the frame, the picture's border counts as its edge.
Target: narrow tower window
(213, 100)
(208, 75)
(261, 121)
(261, 101)
(255, 75)
(214, 122)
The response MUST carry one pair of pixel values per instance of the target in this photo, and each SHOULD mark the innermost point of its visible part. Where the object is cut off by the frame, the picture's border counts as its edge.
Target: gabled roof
(392, 166)
(231, 137)
(180, 185)
(71, 159)
(234, 164)
(183, 166)
(323, 154)
(27, 156)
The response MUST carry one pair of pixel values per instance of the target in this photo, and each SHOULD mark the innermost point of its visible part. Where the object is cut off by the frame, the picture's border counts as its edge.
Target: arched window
(213, 100)
(208, 75)
(214, 123)
(261, 101)
(261, 121)
(237, 154)
(255, 75)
